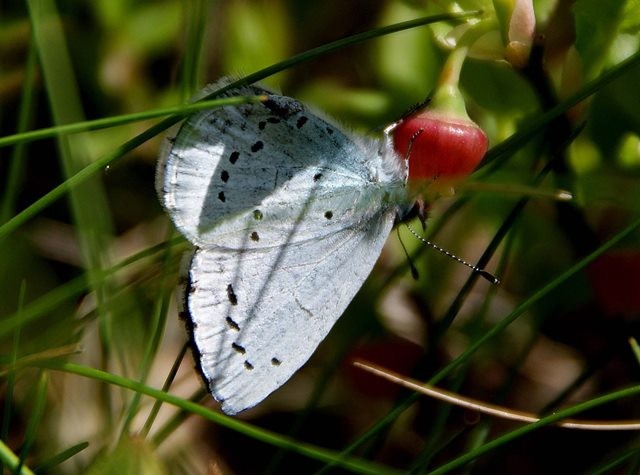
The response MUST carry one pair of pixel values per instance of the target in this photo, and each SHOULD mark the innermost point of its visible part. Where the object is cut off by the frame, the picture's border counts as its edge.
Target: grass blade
(11, 460)
(317, 453)
(34, 419)
(61, 457)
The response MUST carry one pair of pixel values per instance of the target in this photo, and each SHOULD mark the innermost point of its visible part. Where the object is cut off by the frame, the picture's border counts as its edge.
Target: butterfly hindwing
(258, 316)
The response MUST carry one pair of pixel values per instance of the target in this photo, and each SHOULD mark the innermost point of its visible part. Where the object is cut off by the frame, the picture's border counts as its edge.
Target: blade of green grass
(30, 359)
(98, 165)
(16, 171)
(311, 451)
(196, 17)
(174, 422)
(83, 175)
(146, 428)
(34, 419)
(437, 435)
(343, 43)
(97, 124)
(11, 376)
(156, 329)
(47, 465)
(71, 290)
(610, 466)
(635, 348)
(11, 460)
(91, 215)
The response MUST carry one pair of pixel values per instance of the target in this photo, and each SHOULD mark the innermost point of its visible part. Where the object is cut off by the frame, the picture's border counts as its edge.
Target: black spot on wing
(328, 214)
(301, 121)
(274, 120)
(233, 158)
(231, 295)
(255, 237)
(282, 107)
(317, 176)
(256, 147)
(224, 176)
(238, 348)
(257, 215)
(221, 196)
(276, 362)
(232, 324)
(262, 124)
(248, 365)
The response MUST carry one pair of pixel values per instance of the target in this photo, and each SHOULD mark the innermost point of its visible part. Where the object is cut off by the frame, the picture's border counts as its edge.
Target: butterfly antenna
(481, 272)
(414, 269)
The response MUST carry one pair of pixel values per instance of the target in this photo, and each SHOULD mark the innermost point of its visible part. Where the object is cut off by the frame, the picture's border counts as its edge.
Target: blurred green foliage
(86, 299)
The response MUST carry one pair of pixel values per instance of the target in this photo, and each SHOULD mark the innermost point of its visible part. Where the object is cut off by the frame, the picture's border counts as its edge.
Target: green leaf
(596, 23)
(251, 43)
(498, 88)
(414, 72)
(149, 29)
(631, 17)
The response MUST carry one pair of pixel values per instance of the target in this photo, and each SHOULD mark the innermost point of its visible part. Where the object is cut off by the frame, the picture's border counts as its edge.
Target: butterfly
(288, 215)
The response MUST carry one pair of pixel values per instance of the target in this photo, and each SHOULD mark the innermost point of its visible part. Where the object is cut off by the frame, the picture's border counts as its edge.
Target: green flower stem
(447, 98)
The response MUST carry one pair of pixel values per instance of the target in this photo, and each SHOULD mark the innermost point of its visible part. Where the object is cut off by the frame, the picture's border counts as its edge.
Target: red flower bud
(440, 141)
(439, 145)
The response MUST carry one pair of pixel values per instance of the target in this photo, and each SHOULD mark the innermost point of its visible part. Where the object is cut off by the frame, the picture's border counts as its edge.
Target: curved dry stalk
(491, 409)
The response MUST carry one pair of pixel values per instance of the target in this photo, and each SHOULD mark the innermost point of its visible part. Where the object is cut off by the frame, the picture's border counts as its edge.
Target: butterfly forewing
(233, 168)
